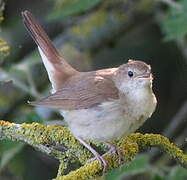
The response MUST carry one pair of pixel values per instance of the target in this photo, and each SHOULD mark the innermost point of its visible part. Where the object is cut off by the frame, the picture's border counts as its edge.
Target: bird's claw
(102, 160)
(115, 150)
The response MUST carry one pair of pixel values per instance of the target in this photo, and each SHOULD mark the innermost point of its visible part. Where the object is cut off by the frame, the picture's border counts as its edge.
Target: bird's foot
(115, 150)
(101, 159)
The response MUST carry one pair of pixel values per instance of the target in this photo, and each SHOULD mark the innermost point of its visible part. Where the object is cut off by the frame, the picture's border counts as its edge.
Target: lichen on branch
(4, 49)
(58, 142)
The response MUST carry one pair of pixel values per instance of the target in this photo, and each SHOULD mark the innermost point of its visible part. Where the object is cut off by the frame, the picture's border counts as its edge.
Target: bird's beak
(145, 75)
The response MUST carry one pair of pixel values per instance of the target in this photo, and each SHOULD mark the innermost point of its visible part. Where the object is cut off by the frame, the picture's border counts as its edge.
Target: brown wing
(84, 91)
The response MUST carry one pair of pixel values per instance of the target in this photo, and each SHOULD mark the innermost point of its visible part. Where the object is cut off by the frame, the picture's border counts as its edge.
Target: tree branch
(58, 142)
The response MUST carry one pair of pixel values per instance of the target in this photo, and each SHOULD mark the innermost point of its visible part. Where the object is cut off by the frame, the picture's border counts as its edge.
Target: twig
(7, 76)
(181, 42)
(31, 83)
(176, 121)
(181, 139)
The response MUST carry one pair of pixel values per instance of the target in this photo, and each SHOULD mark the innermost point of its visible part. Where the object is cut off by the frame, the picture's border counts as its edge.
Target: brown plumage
(83, 91)
(73, 89)
(99, 105)
(62, 70)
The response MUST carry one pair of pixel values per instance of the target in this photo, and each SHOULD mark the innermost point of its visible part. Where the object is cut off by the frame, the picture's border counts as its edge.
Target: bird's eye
(130, 73)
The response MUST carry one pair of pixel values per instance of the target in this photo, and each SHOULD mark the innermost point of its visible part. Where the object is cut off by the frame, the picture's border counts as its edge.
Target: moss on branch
(4, 49)
(47, 138)
(58, 142)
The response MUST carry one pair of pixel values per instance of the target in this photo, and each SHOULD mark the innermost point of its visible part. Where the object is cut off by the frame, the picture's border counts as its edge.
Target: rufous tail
(57, 68)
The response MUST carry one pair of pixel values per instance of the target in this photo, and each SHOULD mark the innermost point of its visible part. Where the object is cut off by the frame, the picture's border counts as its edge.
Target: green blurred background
(94, 34)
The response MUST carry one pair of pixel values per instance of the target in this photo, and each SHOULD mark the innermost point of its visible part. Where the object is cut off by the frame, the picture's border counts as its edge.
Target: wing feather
(81, 93)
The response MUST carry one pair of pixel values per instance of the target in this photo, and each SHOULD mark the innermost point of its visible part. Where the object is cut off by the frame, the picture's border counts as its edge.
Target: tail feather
(58, 69)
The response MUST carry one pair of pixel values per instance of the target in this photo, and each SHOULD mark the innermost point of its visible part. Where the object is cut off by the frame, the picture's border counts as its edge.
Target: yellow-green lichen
(62, 167)
(46, 137)
(130, 146)
(87, 171)
(92, 169)
(54, 135)
(4, 49)
(150, 140)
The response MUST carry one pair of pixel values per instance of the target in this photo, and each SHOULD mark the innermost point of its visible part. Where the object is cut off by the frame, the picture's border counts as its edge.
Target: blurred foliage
(93, 34)
(142, 167)
(138, 166)
(71, 8)
(2, 6)
(175, 24)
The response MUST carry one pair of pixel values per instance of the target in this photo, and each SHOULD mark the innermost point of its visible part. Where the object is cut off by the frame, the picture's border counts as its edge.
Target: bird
(101, 105)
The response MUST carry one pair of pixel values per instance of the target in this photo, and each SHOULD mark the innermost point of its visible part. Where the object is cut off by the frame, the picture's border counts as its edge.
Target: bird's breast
(109, 120)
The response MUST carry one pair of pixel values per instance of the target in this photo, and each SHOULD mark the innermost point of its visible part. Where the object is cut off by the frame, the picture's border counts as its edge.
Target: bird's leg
(96, 154)
(114, 149)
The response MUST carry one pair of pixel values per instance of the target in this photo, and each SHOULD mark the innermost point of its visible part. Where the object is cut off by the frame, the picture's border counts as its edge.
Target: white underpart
(49, 67)
(110, 120)
(113, 119)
